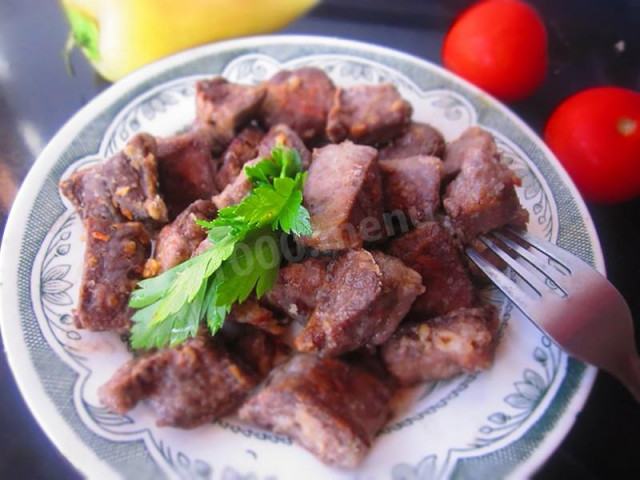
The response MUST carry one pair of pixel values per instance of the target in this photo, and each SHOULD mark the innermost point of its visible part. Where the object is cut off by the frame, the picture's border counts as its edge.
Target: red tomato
(500, 46)
(596, 136)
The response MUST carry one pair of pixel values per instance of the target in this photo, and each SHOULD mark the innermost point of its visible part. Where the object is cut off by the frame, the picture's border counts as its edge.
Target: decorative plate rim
(21, 364)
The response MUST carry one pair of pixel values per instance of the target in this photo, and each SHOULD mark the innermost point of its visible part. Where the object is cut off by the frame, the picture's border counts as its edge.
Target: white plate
(503, 422)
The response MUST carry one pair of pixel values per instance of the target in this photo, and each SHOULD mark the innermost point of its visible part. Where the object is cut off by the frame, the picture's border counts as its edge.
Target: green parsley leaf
(284, 162)
(262, 173)
(244, 256)
(254, 263)
(214, 314)
(293, 217)
(153, 289)
(184, 288)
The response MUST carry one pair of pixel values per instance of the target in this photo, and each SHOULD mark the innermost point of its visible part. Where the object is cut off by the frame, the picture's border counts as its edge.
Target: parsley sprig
(244, 256)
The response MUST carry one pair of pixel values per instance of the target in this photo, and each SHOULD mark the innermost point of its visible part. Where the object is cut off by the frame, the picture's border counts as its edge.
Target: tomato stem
(626, 126)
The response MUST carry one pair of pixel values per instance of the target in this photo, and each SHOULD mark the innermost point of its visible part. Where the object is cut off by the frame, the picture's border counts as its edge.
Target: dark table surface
(37, 96)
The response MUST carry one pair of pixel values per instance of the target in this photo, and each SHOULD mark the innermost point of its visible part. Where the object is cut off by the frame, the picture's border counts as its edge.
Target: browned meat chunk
(283, 135)
(418, 139)
(332, 408)
(460, 341)
(300, 99)
(177, 241)
(242, 149)
(483, 197)
(430, 250)
(363, 300)
(401, 285)
(226, 106)
(90, 194)
(236, 190)
(339, 323)
(343, 194)
(124, 188)
(113, 263)
(295, 292)
(369, 114)
(187, 169)
(188, 385)
(256, 347)
(132, 176)
(251, 313)
(411, 185)
(474, 142)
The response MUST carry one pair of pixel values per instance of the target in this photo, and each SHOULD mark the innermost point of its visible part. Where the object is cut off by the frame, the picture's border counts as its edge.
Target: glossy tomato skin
(596, 136)
(500, 46)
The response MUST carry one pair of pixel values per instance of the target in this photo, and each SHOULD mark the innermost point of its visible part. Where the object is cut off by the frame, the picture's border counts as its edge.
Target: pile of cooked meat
(382, 297)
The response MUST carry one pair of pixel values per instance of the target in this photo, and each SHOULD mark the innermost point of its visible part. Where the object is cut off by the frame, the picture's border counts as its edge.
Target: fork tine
(592, 322)
(527, 275)
(560, 255)
(530, 257)
(523, 301)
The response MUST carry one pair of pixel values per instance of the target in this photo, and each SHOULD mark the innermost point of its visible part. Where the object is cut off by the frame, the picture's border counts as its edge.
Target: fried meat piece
(187, 385)
(178, 240)
(411, 185)
(418, 139)
(363, 299)
(242, 149)
(90, 195)
(257, 348)
(123, 188)
(343, 194)
(295, 292)
(250, 312)
(332, 408)
(368, 114)
(226, 106)
(483, 197)
(401, 285)
(461, 341)
(236, 190)
(474, 142)
(187, 169)
(300, 99)
(113, 263)
(431, 251)
(132, 176)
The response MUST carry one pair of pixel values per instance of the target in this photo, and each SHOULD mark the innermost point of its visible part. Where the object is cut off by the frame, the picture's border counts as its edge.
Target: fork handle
(628, 372)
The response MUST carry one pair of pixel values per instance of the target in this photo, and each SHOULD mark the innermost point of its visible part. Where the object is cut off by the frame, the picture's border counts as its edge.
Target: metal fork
(568, 300)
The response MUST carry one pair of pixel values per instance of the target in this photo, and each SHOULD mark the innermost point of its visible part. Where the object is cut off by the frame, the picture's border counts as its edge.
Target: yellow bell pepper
(118, 36)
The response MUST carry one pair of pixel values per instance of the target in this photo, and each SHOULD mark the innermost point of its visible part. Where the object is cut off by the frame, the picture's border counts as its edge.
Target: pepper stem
(84, 34)
(66, 55)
